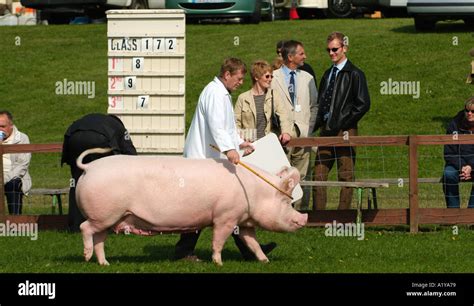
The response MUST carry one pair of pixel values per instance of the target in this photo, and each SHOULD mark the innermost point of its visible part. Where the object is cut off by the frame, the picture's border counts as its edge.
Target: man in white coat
(214, 124)
(16, 179)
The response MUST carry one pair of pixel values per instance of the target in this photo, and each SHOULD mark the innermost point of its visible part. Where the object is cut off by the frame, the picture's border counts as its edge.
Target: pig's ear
(283, 171)
(290, 180)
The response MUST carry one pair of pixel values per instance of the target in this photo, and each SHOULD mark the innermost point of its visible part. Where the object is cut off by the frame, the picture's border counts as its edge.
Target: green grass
(306, 251)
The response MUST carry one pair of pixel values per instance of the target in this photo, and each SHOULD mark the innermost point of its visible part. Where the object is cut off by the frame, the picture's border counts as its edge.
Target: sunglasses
(469, 110)
(333, 49)
(268, 76)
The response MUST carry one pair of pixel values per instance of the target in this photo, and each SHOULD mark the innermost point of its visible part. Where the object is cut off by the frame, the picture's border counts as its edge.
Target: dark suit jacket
(350, 100)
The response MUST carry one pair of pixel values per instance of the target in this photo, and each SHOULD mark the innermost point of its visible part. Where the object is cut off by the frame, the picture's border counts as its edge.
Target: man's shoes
(190, 258)
(266, 248)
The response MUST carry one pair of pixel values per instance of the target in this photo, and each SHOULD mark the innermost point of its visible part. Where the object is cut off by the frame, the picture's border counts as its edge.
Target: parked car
(250, 10)
(63, 11)
(427, 12)
(389, 8)
(320, 8)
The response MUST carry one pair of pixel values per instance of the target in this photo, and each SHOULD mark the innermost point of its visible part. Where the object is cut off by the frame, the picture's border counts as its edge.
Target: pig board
(269, 156)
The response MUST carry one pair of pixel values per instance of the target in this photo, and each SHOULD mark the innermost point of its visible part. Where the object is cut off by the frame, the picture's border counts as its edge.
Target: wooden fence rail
(414, 215)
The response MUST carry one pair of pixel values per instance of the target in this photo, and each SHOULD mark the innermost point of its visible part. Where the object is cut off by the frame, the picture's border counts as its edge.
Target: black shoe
(266, 248)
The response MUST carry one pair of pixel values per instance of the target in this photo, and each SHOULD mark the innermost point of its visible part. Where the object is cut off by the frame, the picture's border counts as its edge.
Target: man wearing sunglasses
(459, 159)
(300, 95)
(343, 101)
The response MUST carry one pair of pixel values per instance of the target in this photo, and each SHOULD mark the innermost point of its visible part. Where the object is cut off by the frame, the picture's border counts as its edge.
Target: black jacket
(459, 156)
(349, 103)
(109, 126)
(309, 69)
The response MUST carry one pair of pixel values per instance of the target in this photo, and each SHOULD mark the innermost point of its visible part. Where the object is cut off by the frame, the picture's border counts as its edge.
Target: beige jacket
(306, 97)
(246, 112)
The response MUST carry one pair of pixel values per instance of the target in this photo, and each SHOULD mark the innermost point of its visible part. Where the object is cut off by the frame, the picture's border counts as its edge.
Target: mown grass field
(387, 250)
(385, 49)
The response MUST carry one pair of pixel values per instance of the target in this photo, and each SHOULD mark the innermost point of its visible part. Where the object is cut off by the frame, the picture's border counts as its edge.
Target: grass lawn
(35, 58)
(387, 250)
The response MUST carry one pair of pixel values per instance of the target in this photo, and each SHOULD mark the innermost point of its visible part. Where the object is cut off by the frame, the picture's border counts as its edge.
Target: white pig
(147, 195)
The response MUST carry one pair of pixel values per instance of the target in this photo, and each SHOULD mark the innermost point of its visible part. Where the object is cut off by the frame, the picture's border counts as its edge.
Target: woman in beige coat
(253, 108)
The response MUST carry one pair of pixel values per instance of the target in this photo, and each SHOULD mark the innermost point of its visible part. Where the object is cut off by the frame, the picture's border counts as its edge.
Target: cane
(256, 173)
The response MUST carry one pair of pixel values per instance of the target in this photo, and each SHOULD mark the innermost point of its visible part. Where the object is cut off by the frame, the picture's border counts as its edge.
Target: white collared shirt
(213, 123)
(339, 68)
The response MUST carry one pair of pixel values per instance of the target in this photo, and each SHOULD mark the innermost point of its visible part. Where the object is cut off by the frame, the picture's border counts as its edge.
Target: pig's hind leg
(250, 239)
(99, 239)
(88, 239)
(94, 239)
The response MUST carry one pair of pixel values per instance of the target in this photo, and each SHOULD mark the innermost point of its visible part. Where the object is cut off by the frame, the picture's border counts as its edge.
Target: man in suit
(278, 62)
(298, 89)
(343, 101)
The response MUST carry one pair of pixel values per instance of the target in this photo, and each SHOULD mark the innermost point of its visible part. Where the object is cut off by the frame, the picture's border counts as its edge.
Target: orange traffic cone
(294, 13)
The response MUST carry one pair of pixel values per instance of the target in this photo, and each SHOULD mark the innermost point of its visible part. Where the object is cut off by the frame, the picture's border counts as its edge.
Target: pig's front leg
(248, 236)
(220, 235)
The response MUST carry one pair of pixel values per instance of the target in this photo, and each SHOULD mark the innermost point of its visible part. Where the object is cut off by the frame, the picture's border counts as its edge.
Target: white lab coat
(213, 123)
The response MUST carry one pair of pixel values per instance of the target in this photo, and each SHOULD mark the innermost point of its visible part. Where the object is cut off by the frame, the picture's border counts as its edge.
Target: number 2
(171, 44)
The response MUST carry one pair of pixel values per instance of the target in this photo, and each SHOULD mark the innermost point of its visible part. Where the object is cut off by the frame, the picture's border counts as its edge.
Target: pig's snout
(300, 220)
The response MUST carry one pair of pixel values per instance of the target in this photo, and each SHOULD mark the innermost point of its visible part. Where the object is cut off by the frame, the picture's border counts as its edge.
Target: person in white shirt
(214, 124)
(16, 179)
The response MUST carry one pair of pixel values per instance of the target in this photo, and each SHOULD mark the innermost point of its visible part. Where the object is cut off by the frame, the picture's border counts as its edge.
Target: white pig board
(269, 156)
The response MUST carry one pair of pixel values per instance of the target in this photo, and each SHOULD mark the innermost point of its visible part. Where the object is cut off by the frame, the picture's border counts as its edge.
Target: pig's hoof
(104, 263)
(218, 262)
(265, 261)
(87, 254)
